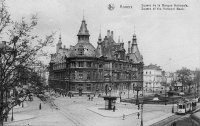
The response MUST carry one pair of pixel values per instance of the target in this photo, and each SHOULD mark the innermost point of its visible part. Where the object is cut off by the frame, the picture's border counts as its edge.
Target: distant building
(152, 78)
(169, 78)
(85, 68)
(42, 71)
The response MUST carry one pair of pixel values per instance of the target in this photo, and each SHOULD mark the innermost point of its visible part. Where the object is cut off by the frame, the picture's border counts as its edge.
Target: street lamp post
(128, 89)
(165, 94)
(173, 107)
(12, 115)
(137, 100)
(142, 113)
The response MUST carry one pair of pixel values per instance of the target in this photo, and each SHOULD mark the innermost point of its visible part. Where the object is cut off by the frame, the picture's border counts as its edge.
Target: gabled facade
(89, 69)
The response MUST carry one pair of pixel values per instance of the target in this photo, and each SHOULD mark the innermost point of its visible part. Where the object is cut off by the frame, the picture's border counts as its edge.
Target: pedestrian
(123, 117)
(40, 106)
(114, 108)
(174, 124)
(138, 114)
(91, 98)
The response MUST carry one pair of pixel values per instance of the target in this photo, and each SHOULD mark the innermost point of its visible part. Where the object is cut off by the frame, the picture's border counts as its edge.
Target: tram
(185, 106)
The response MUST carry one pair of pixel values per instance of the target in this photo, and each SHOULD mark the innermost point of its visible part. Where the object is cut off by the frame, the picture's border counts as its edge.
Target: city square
(99, 63)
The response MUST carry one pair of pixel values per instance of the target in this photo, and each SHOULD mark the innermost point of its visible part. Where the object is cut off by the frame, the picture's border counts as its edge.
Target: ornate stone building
(84, 67)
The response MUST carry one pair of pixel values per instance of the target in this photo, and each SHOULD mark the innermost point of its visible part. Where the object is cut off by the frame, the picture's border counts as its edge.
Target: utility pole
(142, 113)
(1, 92)
(128, 88)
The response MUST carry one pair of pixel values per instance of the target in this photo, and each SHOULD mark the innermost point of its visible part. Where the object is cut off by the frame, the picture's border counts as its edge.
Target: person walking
(138, 114)
(40, 106)
(114, 108)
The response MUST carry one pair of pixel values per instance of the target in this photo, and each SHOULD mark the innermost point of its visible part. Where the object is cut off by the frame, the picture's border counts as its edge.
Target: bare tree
(19, 50)
(184, 77)
(197, 82)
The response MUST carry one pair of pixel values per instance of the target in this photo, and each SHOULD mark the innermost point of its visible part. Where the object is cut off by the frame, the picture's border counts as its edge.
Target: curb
(112, 116)
(10, 122)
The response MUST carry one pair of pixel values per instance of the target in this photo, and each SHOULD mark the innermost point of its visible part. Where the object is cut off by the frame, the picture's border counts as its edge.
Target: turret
(108, 33)
(112, 34)
(83, 34)
(129, 46)
(119, 39)
(134, 40)
(135, 54)
(134, 43)
(59, 44)
(99, 39)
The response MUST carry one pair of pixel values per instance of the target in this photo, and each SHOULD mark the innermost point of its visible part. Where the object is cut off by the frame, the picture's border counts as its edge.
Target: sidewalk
(119, 112)
(22, 105)
(33, 116)
(20, 113)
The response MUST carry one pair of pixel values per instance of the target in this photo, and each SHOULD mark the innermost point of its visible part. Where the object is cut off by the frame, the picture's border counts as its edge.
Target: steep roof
(83, 29)
(83, 49)
(135, 55)
(152, 66)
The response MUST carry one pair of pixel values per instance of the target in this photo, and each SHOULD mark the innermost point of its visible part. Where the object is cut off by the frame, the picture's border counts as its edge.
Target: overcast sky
(170, 39)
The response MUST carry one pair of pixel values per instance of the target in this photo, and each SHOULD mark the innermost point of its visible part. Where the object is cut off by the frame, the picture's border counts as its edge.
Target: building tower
(135, 53)
(59, 44)
(83, 34)
(99, 46)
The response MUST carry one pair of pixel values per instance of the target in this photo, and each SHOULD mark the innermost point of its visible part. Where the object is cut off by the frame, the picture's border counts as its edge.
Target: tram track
(76, 119)
(168, 121)
(65, 112)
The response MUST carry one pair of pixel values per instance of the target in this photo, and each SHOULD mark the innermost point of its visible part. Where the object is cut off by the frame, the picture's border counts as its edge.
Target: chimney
(129, 46)
(119, 39)
(108, 33)
(112, 34)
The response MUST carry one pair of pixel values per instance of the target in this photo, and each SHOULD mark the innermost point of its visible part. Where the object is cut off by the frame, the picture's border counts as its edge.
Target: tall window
(73, 64)
(115, 65)
(120, 66)
(73, 76)
(118, 75)
(88, 75)
(73, 87)
(94, 75)
(80, 64)
(88, 87)
(89, 64)
(80, 74)
(100, 65)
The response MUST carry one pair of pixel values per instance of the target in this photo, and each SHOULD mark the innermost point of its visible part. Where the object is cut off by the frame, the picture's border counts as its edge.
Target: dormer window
(80, 50)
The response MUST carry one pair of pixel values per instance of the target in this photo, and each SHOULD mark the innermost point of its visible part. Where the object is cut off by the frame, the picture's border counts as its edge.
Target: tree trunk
(1, 108)
(1, 119)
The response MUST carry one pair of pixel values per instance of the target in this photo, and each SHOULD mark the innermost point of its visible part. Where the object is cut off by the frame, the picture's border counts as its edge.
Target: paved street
(79, 111)
(31, 115)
